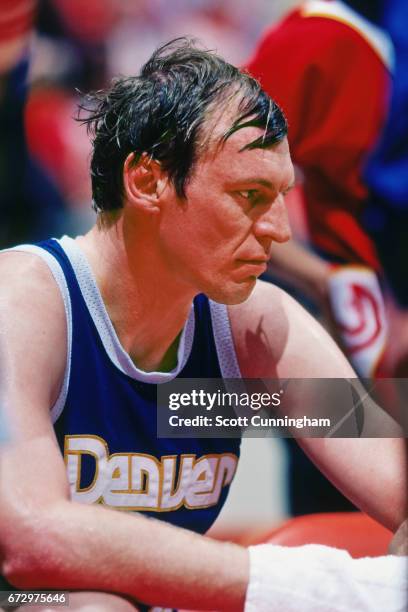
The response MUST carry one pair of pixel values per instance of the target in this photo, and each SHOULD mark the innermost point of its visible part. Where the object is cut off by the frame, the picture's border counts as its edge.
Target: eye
(251, 195)
(248, 194)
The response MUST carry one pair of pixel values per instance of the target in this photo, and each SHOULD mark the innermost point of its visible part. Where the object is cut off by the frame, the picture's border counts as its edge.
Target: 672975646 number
(20, 598)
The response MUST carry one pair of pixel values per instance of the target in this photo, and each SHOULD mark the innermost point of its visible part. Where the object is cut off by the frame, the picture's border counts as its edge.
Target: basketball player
(190, 168)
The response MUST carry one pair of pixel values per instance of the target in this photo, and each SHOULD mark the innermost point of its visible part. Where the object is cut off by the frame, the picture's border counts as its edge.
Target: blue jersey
(105, 416)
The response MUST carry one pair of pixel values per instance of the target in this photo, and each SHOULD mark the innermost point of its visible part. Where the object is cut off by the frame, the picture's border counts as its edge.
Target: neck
(146, 305)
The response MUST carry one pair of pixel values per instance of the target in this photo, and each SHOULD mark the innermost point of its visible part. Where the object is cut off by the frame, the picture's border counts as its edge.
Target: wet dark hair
(162, 112)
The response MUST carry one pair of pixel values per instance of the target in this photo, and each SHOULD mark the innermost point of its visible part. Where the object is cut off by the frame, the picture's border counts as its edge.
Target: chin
(232, 293)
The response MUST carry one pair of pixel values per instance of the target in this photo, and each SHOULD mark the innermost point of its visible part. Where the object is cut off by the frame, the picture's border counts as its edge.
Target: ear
(143, 182)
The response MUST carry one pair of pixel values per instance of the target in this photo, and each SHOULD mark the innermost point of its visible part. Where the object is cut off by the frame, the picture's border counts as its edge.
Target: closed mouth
(256, 262)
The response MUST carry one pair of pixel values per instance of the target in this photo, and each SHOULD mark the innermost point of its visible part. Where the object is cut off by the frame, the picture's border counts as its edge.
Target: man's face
(219, 239)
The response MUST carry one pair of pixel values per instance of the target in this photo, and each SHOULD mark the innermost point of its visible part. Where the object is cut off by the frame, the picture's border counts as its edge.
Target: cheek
(212, 226)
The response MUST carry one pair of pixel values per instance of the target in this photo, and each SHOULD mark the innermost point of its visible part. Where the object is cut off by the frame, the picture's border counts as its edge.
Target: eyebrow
(260, 181)
(266, 183)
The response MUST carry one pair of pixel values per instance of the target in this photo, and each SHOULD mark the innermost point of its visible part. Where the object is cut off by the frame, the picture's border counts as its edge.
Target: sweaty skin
(167, 250)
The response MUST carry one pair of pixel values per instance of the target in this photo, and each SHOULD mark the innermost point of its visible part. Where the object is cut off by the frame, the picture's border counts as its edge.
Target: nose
(273, 225)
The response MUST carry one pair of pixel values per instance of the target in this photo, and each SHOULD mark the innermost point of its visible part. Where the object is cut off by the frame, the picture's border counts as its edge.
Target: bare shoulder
(275, 336)
(32, 324)
(28, 287)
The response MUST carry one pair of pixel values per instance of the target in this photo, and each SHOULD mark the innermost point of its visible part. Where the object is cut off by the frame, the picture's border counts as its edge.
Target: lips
(254, 266)
(259, 257)
(253, 261)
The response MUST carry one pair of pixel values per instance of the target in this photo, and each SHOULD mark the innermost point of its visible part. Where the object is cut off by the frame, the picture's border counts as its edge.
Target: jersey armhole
(59, 278)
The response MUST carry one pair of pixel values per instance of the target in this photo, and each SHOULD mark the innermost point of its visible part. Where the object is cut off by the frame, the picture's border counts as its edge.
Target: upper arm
(287, 341)
(32, 363)
(275, 338)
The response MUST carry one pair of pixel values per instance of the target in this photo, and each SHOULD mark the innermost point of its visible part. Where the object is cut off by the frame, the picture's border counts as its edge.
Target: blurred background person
(387, 177)
(29, 201)
(329, 67)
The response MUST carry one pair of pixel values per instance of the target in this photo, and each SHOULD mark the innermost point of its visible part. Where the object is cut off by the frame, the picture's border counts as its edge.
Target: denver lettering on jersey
(137, 481)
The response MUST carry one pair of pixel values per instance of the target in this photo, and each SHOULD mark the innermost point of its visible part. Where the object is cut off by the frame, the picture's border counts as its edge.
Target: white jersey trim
(59, 277)
(93, 299)
(375, 36)
(96, 307)
(219, 316)
(224, 341)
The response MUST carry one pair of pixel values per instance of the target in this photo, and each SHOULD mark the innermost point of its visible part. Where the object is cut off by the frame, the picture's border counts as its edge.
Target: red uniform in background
(327, 67)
